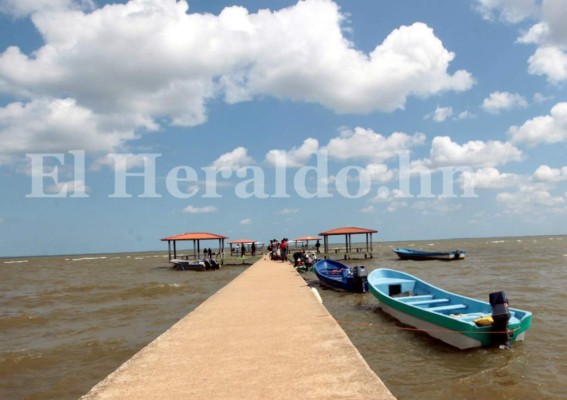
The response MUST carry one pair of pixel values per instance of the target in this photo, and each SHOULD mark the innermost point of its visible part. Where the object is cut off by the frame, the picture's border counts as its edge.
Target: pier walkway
(263, 336)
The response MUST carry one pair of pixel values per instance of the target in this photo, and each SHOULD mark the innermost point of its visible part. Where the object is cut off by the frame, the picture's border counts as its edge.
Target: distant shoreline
(337, 242)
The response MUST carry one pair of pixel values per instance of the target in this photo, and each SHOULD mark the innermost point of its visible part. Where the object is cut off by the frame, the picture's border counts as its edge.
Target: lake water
(67, 322)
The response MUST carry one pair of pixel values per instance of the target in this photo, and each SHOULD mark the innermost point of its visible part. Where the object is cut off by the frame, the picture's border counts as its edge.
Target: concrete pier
(263, 336)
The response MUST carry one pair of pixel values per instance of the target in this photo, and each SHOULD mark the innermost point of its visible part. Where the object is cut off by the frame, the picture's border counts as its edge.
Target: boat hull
(185, 265)
(419, 255)
(339, 276)
(443, 315)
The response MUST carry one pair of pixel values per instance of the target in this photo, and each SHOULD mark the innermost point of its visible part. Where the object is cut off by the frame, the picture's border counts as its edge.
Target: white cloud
(246, 221)
(440, 114)
(152, 60)
(368, 210)
(499, 101)
(394, 199)
(296, 157)
(488, 178)
(507, 10)
(544, 173)
(530, 198)
(550, 61)
(465, 115)
(369, 145)
(234, 160)
(57, 125)
(550, 35)
(550, 128)
(476, 153)
(199, 210)
(379, 173)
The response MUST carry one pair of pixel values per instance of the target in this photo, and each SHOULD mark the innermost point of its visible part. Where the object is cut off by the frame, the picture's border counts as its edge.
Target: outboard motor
(360, 278)
(501, 316)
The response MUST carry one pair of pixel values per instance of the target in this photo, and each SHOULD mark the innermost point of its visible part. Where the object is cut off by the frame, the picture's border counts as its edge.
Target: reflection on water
(67, 322)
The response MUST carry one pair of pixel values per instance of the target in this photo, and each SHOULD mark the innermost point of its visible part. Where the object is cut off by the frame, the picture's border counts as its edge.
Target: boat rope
(407, 328)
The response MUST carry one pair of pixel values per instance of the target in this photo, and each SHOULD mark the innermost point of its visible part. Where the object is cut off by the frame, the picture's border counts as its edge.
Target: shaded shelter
(348, 249)
(196, 238)
(307, 239)
(238, 242)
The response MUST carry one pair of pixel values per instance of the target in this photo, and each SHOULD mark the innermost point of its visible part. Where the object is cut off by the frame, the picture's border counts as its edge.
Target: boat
(197, 265)
(337, 275)
(419, 255)
(457, 320)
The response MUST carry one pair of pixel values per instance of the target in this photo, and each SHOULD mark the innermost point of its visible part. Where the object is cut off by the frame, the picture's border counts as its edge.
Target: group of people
(304, 260)
(243, 250)
(278, 250)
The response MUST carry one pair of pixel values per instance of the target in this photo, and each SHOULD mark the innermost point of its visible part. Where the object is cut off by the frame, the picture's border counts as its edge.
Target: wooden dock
(263, 336)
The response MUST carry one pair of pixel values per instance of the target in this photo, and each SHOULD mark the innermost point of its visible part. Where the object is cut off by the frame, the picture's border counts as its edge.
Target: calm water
(67, 322)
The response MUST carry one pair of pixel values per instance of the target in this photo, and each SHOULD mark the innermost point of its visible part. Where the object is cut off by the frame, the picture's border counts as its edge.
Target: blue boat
(460, 321)
(420, 255)
(337, 275)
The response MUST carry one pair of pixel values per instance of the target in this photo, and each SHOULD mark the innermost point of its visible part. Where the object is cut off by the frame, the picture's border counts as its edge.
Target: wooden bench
(447, 308)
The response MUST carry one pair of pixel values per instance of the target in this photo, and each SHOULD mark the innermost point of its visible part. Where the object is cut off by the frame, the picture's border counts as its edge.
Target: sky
(124, 122)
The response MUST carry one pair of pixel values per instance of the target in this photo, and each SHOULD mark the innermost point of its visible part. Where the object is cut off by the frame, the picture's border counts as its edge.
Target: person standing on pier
(283, 249)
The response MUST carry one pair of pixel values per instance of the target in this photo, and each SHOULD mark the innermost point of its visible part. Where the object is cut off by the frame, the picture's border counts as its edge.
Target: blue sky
(421, 119)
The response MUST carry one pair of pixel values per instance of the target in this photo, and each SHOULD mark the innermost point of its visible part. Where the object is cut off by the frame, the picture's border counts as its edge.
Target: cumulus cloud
(501, 101)
(465, 115)
(550, 61)
(366, 144)
(379, 173)
(440, 114)
(475, 153)
(488, 178)
(393, 199)
(529, 198)
(550, 37)
(550, 128)
(246, 221)
(57, 125)
(199, 210)
(234, 159)
(296, 157)
(152, 60)
(544, 173)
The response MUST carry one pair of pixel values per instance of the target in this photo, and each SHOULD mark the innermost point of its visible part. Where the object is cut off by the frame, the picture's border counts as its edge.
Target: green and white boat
(458, 320)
